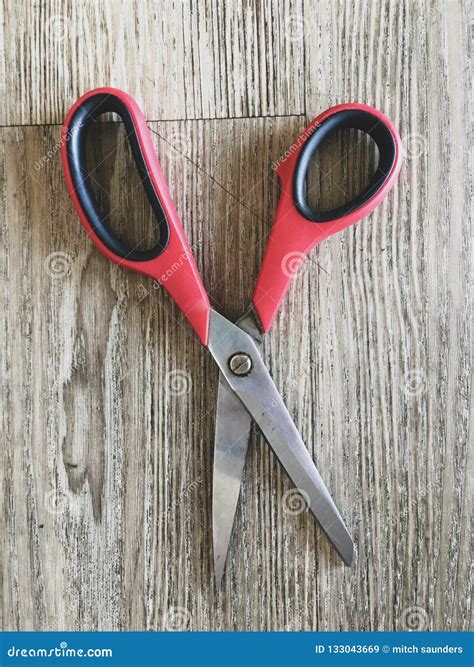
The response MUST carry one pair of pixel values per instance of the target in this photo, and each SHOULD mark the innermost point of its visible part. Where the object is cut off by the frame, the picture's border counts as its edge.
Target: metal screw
(240, 363)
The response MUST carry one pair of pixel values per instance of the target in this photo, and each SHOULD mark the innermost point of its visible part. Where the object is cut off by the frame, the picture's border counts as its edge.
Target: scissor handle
(170, 262)
(297, 228)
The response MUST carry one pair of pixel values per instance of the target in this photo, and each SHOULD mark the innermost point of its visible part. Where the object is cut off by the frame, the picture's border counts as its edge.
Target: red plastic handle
(295, 232)
(170, 263)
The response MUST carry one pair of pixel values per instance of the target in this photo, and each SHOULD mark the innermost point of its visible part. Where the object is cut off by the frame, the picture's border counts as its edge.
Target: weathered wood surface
(108, 399)
(208, 59)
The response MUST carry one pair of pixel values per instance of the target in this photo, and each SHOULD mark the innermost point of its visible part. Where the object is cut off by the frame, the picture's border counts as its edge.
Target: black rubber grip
(356, 119)
(76, 150)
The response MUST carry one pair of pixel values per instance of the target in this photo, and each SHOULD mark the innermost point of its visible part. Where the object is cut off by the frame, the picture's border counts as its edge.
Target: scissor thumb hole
(346, 160)
(91, 159)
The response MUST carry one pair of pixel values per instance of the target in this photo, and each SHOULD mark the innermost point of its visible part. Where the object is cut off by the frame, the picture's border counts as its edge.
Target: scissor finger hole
(340, 169)
(98, 207)
(117, 187)
(343, 165)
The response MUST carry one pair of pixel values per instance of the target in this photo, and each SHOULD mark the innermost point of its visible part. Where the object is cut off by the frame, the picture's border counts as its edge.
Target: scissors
(246, 392)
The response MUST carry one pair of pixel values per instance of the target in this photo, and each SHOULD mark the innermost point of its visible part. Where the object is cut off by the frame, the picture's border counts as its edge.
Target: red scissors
(246, 390)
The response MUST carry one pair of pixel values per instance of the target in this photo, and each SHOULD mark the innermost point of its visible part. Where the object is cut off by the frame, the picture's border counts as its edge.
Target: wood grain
(187, 59)
(107, 398)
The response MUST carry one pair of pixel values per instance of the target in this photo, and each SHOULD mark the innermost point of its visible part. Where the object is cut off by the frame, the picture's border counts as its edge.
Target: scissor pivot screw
(240, 363)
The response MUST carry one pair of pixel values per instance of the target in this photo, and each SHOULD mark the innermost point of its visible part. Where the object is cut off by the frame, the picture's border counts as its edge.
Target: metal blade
(263, 401)
(233, 424)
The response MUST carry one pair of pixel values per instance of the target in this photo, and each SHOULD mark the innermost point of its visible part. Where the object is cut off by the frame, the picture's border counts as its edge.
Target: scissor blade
(233, 424)
(263, 401)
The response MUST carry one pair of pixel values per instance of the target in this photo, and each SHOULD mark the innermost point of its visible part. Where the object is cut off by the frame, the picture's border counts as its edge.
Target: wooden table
(107, 397)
